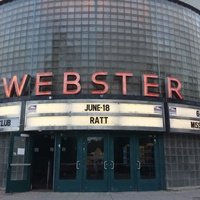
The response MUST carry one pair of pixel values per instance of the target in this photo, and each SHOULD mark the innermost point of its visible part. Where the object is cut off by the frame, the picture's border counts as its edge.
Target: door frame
(123, 185)
(95, 185)
(158, 183)
(33, 136)
(65, 185)
(25, 184)
(80, 184)
(135, 184)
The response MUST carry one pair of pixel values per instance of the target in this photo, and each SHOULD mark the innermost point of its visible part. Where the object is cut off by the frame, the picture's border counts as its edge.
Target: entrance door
(107, 162)
(149, 163)
(68, 170)
(95, 163)
(122, 171)
(82, 163)
(18, 175)
(43, 158)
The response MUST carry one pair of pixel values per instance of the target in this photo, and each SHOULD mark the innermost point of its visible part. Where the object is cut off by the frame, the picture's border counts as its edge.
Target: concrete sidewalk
(160, 195)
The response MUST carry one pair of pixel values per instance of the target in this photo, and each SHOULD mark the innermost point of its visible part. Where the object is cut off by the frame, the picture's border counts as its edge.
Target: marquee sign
(184, 118)
(94, 114)
(10, 116)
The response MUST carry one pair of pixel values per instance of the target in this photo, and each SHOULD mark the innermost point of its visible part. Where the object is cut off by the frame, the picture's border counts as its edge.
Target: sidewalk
(160, 195)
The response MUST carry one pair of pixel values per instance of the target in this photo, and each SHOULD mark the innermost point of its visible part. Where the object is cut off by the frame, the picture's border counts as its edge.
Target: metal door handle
(77, 165)
(20, 164)
(105, 165)
(112, 165)
(138, 165)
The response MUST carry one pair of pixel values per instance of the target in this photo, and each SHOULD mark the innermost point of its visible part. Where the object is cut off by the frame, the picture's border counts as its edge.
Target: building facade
(99, 95)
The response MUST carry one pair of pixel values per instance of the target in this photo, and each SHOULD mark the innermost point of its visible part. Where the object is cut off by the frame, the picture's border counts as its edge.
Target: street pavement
(191, 194)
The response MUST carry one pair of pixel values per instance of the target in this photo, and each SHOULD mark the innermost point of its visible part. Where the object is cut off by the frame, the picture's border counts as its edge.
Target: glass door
(107, 162)
(121, 159)
(69, 163)
(18, 174)
(95, 159)
(81, 163)
(148, 166)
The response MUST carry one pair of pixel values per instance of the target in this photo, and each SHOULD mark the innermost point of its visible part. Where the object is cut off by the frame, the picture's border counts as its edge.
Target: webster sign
(71, 81)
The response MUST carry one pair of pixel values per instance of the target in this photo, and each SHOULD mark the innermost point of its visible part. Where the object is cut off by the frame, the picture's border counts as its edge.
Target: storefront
(87, 145)
(99, 95)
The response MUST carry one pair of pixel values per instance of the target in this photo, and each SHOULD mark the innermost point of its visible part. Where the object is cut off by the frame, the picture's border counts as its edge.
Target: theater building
(99, 95)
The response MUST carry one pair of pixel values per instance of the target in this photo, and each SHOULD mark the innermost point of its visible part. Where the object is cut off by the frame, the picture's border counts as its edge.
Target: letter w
(14, 87)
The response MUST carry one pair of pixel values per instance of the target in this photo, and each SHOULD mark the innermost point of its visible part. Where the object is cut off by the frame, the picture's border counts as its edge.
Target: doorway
(19, 163)
(43, 162)
(86, 161)
(108, 162)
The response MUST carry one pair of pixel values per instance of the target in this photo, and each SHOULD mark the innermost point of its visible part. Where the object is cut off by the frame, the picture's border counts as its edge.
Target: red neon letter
(176, 90)
(40, 83)
(75, 82)
(14, 86)
(102, 83)
(124, 76)
(147, 85)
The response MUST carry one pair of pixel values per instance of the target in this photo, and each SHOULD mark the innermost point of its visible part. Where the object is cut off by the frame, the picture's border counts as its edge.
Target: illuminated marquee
(94, 114)
(184, 118)
(72, 84)
(10, 116)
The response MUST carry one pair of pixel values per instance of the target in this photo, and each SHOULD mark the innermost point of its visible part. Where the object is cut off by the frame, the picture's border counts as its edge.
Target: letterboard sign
(10, 116)
(184, 118)
(94, 114)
